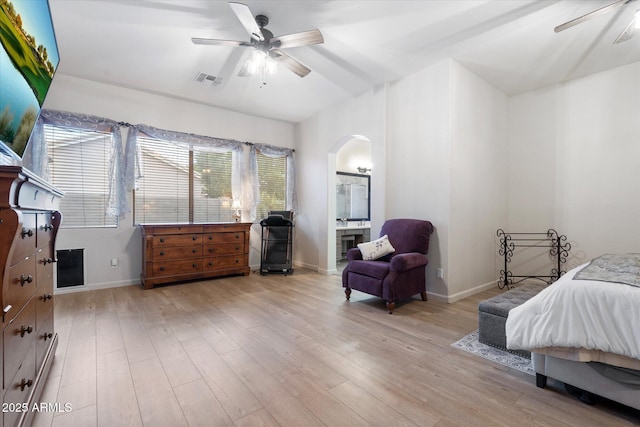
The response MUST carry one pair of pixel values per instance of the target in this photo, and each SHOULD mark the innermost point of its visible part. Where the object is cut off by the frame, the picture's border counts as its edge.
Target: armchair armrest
(354, 254)
(408, 261)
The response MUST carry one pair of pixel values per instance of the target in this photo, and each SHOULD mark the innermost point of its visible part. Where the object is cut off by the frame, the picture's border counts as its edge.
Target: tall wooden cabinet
(179, 252)
(29, 222)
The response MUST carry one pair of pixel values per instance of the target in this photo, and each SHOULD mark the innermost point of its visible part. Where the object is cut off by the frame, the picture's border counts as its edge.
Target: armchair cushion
(404, 262)
(376, 248)
(375, 269)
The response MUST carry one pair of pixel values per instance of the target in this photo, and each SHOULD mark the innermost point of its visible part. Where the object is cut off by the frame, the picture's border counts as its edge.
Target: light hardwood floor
(286, 351)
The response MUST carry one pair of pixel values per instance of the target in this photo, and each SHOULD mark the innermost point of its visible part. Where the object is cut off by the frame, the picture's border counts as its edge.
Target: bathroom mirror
(353, 192)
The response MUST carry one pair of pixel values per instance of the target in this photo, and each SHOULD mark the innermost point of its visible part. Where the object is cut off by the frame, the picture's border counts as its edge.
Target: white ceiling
(146, 45)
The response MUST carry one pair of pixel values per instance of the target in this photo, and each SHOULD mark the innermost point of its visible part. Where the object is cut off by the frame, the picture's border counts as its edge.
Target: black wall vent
(70, 267)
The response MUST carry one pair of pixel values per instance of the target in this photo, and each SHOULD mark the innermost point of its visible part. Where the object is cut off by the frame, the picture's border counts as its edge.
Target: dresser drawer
(20, 285)
(44, 269)
(19, 338)
(224, 249)
(44, 305)
(44, 233)
(19, 388)
(25, 243)
(177, 240)
(44, 338)
(176, 267)
(224, 237)
(176, 252)
(225, 262)
(172, 229)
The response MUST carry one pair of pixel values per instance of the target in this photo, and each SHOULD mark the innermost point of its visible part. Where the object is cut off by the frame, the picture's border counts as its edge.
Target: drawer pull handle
(47, 227)
(161, 253)
(210, 237)
(25, 330)
(194, 250)
(161, 268)
(26, 232)
(162, 240)
(47, 261)
(237, 261)
(47, 335)
(237, 248)
(194, 265)
(194, 238)
(210, 264)
(237, 236)
(46, 297)
(25, 279)
(25, 383)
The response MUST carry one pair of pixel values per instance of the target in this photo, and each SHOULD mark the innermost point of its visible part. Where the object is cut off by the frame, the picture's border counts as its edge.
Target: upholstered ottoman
(492, 315)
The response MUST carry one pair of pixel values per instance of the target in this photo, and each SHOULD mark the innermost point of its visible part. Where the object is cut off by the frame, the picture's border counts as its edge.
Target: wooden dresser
(179, 252)
(29, 222)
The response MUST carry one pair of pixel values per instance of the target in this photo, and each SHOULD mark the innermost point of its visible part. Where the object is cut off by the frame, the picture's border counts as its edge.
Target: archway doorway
(349, 155)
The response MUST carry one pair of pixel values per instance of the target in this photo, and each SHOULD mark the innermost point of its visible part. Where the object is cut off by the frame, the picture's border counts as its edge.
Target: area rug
(471, 344)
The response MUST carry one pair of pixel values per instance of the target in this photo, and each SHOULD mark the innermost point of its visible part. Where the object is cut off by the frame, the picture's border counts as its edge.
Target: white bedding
(579, 314)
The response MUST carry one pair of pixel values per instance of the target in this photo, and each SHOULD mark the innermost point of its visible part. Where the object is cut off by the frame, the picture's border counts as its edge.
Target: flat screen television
(28, 60)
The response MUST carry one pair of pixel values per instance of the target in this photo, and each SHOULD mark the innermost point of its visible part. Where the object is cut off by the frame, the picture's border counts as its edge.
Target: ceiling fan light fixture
(260, 62)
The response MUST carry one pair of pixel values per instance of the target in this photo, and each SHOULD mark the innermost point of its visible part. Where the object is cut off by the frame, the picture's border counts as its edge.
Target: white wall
(575, 151)
(478, 181)
(446, 147)
(125, 243)
(419, 160)
(444, 142)
(318, 140)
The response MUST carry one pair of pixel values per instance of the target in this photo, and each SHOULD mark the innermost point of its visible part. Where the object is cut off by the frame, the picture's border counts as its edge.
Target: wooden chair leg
(347, 293)
(391, 306)
(423, 295)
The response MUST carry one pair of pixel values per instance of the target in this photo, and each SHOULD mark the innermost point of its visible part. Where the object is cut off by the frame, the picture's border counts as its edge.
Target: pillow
(376, 248)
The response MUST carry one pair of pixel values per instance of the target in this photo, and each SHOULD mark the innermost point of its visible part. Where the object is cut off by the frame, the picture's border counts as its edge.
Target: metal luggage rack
(558, 250)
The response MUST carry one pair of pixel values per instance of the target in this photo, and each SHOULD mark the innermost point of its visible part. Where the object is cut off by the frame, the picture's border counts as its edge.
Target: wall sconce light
(363, 170)
(236, 210)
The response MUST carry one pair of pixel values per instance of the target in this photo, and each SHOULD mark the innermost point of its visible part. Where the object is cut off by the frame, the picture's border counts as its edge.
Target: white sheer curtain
(36, 158)
(252, 197)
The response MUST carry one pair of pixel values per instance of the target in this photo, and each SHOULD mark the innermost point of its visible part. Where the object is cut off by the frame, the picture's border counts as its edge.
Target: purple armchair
(396, 276)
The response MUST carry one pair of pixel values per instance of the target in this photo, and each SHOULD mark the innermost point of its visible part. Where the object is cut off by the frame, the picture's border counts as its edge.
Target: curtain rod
(252, 144)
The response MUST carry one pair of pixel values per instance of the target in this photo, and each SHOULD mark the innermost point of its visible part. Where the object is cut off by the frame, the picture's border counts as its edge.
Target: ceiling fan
(268, 49)
(625, 35)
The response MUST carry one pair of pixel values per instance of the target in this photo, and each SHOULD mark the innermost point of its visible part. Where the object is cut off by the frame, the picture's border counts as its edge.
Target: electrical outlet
(440, 273)
(114, 262)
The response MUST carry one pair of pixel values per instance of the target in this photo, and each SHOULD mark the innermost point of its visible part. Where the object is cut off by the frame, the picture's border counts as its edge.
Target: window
(80, 164)
(180, 186)
(272, 181)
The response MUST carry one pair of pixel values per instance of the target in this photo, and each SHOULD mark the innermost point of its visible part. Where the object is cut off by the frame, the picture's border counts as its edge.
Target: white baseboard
(461, 295)
(85, 288)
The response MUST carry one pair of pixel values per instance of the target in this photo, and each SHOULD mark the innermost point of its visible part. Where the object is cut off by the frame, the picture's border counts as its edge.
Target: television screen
(28, 61)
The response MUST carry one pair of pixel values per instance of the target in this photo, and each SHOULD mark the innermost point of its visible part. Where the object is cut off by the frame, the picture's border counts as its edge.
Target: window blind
(272, 181)
(179, 185)
(79, 162)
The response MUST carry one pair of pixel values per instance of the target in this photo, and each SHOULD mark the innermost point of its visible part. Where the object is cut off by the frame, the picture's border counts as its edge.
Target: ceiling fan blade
(627, 33)
(290, 63)
(247, 20)
(218, 42)
(304, 38)
(590, 15)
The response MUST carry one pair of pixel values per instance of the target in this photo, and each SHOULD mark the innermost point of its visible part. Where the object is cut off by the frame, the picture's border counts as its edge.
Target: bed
(584, 329)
